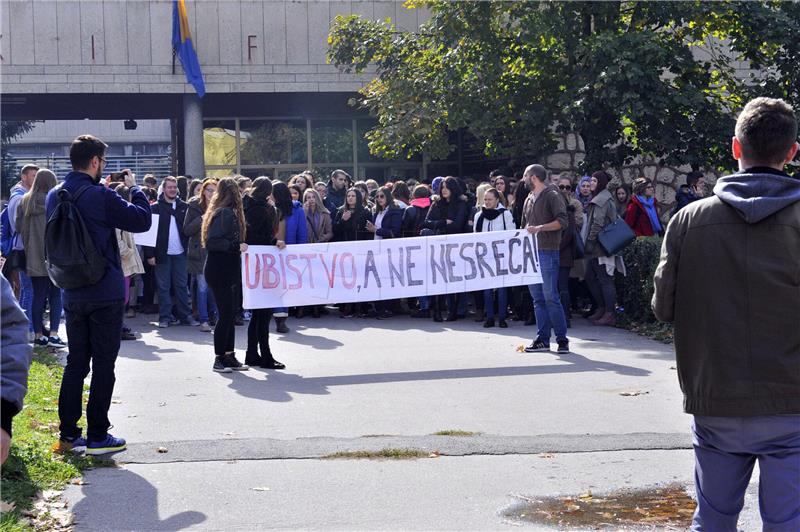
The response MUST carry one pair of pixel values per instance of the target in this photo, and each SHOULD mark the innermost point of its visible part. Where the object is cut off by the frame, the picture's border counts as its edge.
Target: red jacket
(636, 217)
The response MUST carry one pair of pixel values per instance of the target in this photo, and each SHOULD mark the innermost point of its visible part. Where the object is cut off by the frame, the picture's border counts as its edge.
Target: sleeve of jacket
(16, 355)
(134, 217)
(578, 214)
(597, 215)
(558, 205)
(193, 222)
(666, 276)
(221, 233)
(125, 252)
(302, 227)
(630, 214)
(459, 220)
(433, 219)
(509, 219)
(326, 232)
(338, 225)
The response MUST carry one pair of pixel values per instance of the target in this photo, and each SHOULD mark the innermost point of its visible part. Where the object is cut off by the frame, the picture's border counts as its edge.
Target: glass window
(332, 141)
(219, 142)
(220, 172)
(273, 142)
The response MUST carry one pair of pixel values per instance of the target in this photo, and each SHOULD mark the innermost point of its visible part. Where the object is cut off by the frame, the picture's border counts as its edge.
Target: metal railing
(158, 165)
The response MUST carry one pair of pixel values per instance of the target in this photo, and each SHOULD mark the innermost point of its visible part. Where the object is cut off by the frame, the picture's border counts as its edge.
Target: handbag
(616, 236)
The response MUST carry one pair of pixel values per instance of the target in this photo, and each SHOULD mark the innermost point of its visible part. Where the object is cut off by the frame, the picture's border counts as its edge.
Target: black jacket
(259, 216)
(392, 223)
(164, 210)
(353, 229)
(413, 218)
(223, 233)
(443, 210)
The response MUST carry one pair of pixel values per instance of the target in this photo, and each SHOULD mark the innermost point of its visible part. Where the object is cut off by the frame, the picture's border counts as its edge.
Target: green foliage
(633, 78)
(9, 130)
(32, 466)
(635, 290)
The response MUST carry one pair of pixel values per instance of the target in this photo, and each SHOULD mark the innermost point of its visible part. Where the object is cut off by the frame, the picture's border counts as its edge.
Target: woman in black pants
(261, 222)
(223, 236)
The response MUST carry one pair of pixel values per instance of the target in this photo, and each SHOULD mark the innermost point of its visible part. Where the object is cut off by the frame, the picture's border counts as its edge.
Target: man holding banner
(545, 215)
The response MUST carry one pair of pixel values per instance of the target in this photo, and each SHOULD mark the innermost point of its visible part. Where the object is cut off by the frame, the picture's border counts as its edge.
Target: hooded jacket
(16, 355)
(414, 216)
(31, 228)
(729, 280)
(103, 211)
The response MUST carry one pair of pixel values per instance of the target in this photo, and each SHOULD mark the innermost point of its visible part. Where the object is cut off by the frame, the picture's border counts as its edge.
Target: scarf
(488, 214)
(650, 209)
(583, 199)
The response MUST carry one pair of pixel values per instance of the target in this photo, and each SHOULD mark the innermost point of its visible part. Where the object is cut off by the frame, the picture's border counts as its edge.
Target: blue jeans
(205, 299)
(502, 303)
(172, 273)
(725, 451)
(424, 303)
(546, 300)
(26, 297)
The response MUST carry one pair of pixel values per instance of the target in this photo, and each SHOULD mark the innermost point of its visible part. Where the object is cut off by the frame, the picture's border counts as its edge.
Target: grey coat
(602, 210)
(15, 352)
(192, 224)
(31, 227)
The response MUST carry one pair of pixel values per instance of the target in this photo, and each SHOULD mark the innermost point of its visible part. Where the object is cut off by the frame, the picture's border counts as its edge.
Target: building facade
(273, 105)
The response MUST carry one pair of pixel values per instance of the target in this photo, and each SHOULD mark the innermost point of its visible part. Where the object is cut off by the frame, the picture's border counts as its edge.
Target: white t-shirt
(378, 221)
(174, 247)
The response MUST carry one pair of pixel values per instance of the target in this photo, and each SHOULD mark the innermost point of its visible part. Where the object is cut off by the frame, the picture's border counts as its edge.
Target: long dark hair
(454, 187)
(520, 195)
(261, 188)
(359, 199)
(283, 199)
(387, 193)
(602, 181)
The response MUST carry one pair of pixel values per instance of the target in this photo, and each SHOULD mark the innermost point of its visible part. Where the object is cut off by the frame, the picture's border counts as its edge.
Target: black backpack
(72, 259)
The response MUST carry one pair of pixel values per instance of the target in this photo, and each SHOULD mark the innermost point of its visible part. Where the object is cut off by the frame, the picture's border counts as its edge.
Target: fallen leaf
(520, 348)
(77, 482)
(434, 454)
(633, 393)
(545, 455)
(116, 402)
(162, 450)
(263, 488)
(7, 506)
(587, 495)
(162, 403)
(672, 367)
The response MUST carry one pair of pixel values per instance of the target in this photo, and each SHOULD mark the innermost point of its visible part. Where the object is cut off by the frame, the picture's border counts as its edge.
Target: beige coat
(31, 229)
(131, 261)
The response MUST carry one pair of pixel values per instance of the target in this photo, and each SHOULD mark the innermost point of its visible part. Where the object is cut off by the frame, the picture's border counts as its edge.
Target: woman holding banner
(291, 230)
(320, 229)
(349, 224)
(493, 216)
(387, 223)
(448, 216)
(259, 217)
(223, 234)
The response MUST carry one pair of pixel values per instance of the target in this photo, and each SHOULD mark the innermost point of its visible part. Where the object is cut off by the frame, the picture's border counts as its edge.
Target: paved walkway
(243, 450)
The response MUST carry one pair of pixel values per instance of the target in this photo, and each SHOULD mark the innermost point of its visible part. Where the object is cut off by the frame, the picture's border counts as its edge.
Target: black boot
(252, 358)
(280, 325)
(268, 362)
(437, 316)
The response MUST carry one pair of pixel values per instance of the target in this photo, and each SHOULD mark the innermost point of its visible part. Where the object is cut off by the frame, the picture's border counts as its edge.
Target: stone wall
(571, 152)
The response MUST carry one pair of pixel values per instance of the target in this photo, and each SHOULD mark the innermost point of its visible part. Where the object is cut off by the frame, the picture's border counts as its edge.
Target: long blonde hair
(479, 192)
(226, 196)
(320, 206)
(44, 181)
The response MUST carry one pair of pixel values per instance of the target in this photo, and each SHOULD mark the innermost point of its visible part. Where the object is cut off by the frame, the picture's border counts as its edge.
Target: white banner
(149, 237)
(345, 272)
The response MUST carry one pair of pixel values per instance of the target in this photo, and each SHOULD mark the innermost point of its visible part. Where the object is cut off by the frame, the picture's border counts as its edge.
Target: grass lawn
(32, 466)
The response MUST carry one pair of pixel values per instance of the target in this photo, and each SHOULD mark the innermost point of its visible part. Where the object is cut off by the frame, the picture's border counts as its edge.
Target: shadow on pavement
(280, 385)
(117, 499)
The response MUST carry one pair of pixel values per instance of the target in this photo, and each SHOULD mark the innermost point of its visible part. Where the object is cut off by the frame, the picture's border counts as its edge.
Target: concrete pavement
(607, 416)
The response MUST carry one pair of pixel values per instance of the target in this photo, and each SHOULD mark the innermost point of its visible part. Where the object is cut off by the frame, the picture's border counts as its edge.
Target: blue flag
(182, 45)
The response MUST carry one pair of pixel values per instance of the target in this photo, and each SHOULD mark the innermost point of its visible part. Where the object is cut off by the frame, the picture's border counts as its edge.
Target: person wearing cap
(642, 212)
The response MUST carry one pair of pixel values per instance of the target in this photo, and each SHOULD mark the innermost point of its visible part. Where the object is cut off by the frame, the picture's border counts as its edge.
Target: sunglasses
(565, 187)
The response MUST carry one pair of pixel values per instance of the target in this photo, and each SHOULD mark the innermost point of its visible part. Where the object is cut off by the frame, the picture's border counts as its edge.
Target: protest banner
(345, 272)
(149, 237)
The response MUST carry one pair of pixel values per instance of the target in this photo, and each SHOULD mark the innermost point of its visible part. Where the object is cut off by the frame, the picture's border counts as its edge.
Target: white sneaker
(205, 327)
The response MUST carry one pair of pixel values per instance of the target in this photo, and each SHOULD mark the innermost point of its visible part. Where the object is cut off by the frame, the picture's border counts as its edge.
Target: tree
(9, 130)
(632, 78)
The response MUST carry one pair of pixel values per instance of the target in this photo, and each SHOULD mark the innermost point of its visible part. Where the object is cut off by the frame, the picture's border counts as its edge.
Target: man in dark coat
(728, 279)
(169, 256)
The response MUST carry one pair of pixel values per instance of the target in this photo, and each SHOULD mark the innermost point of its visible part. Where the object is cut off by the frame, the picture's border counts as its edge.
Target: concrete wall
(116, 46)
(111, 131)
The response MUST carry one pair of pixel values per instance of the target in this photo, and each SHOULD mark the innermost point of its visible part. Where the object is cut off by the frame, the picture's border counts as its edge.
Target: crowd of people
(191, 276)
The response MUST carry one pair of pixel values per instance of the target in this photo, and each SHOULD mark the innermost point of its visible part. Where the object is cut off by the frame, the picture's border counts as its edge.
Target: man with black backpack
(83, 258)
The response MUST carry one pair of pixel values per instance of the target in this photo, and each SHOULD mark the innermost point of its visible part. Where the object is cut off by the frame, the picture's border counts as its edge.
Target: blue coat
(296, 229)
(391, 225)
(103, 211)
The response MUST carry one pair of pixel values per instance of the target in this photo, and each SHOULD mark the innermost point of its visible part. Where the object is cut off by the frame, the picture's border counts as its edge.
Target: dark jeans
(563, 290)
(94, 330)
(149, 285)
(489, 300)
(601, 285)
(173, 273)
(258, 332)
(222, 275)
(44, 291)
